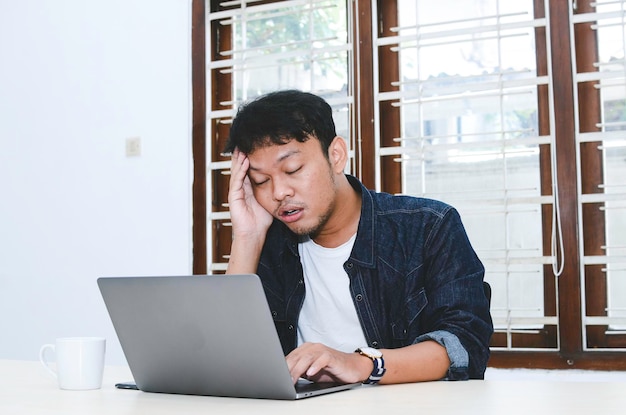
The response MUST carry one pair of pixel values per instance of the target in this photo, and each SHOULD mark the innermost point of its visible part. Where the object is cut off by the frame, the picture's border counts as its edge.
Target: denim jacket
(413, 277)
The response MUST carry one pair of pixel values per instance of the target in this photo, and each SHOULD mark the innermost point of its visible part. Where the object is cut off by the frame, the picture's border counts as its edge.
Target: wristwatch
(379, 363)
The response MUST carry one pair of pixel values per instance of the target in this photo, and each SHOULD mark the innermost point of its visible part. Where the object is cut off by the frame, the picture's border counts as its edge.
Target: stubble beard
(315, 230)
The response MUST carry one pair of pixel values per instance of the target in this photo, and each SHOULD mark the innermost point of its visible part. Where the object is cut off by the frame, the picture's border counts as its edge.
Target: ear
(338, 154)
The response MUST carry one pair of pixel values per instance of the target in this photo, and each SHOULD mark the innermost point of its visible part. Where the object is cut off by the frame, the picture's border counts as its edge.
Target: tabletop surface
(25, 388)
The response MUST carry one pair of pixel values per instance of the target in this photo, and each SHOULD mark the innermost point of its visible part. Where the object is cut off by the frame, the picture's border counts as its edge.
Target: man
(363, 286)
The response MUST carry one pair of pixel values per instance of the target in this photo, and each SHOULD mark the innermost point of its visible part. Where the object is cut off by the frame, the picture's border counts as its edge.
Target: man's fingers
(310, 361)
(238, 166)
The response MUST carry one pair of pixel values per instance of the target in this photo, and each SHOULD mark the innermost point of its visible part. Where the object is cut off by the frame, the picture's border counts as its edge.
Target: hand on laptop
(319, 363)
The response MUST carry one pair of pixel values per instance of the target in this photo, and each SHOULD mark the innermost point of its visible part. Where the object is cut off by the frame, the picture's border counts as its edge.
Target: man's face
(295, 183)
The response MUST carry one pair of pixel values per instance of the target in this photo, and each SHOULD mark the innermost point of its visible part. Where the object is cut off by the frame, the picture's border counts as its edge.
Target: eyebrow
(281, 158)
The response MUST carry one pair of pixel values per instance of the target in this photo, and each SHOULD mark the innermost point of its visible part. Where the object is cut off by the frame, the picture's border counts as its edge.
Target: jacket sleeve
(457, 314)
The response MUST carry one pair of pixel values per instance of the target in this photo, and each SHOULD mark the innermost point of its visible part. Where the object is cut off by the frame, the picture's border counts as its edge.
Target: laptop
(202, 335)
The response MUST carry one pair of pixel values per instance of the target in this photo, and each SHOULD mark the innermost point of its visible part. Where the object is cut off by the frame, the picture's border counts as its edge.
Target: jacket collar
(364, 250)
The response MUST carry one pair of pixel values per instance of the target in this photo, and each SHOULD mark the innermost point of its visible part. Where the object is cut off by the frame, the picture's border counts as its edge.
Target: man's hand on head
(248, 217)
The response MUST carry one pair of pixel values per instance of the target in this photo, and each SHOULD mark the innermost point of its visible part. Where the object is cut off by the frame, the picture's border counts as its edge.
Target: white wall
(77, 77)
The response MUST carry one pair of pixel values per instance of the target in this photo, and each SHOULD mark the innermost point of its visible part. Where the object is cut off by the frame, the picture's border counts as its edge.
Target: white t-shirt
(328, 315)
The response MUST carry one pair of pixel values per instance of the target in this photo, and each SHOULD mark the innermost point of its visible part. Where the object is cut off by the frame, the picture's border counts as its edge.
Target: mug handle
(44, 362)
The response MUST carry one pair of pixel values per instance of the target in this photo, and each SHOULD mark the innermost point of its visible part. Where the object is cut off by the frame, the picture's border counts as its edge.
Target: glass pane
(293, 45)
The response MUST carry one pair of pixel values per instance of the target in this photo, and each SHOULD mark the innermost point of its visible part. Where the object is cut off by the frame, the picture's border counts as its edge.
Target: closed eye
(294, 171)
(259, 180)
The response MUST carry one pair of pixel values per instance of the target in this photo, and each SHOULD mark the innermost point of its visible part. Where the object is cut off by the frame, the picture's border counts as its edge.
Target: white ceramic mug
(79, 362)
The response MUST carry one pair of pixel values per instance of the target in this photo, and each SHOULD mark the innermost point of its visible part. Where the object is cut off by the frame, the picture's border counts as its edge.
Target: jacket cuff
(459, 358)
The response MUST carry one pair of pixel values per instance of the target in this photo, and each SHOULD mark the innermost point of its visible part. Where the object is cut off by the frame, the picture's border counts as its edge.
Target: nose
(282, 189)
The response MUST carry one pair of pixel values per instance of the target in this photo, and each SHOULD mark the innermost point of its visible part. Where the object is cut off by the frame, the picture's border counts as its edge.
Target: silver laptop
(202, 335)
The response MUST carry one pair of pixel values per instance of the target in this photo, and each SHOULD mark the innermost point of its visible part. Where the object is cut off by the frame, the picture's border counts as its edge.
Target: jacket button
(349, 265)
(359, 297)
(274, 313)
(375, 344)
(290, 327)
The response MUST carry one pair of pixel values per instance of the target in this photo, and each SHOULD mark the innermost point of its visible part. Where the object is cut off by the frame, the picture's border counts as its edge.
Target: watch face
(371, 352)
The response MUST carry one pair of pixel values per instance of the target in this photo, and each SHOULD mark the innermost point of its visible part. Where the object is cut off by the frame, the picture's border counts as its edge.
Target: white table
(25, 388)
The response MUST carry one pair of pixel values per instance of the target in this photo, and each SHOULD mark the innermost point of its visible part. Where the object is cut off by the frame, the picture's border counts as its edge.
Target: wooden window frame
(571, 353)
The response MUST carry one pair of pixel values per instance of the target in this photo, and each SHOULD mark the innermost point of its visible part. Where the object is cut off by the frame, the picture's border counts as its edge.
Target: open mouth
(290, 214)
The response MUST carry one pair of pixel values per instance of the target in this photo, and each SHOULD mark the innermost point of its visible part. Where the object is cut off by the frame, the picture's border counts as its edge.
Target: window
(266, 46)
(467, 98)
(466, 102)
(600, 79)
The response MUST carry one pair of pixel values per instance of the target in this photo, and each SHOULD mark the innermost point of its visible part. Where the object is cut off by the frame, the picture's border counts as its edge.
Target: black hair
(279, 117)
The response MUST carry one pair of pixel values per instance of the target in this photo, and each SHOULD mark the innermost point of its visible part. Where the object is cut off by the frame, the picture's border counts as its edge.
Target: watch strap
(378, 372)
(379, 368)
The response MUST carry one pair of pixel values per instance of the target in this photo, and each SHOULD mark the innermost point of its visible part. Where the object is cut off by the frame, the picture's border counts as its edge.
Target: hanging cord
(556, 248)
